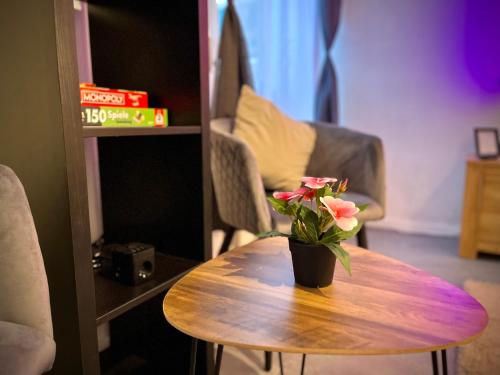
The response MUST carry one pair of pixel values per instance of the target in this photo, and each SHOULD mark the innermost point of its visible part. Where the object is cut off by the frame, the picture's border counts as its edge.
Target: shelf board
(113, 298)
(99, 131)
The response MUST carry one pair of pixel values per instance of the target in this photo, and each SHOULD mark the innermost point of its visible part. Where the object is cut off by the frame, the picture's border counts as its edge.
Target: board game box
(124, 117)
(90, 95)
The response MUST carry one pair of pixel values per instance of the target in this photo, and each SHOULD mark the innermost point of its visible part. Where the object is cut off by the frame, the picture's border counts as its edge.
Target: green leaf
(331, 235)
(295, 235)
(311, 223)
(293, 209)
(341, 254)
(300, 231)
(344, 235)
(323, 220)
(362, 207)
(299, 211)
(273, 233)
(328, 191)
(280, 206)
(307, 224)
(303, 212)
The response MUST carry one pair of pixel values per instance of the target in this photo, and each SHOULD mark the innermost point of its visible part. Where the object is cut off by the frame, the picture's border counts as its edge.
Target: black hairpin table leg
(444, 362)
(218, 358)
(280, 356)
(434, 363)
(303, 364)
(192, 363)
(268, 361)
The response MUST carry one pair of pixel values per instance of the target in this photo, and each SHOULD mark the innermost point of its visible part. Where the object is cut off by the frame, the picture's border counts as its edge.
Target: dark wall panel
(152, 192)
(32, 144)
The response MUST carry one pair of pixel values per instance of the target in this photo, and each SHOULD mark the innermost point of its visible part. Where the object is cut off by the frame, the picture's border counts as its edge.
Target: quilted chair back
(238, 187)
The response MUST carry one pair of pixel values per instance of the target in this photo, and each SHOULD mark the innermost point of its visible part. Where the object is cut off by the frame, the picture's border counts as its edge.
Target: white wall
(407, 73)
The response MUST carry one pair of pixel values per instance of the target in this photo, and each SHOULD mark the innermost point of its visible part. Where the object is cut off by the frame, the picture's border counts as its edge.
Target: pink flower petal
(317, 182)
(285, 195)
(347, 209)
(302, 192)
(342, 212)
(307, 194)
(346, 223)
(329, 203)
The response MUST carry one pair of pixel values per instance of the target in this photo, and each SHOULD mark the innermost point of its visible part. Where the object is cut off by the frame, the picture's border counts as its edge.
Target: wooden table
(481, 211)
(247, 298)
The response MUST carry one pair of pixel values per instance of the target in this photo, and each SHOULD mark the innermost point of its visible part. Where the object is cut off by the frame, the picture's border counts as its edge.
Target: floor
(437, 255)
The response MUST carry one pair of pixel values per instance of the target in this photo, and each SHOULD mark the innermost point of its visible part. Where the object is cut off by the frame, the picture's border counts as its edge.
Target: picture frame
(487, 145)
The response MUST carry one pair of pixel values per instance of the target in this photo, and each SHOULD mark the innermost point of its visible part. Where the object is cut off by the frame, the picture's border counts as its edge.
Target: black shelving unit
(96, 131)
(155, 182)
(114, 299)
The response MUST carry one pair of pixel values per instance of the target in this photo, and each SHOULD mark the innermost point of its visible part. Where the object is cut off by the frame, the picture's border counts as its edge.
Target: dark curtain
(233, 65)
(326, 94)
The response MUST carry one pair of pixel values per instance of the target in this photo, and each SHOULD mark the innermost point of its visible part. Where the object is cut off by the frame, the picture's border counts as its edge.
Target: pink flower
(342, 212)
(302, 192)
(285, 195)
(317, 182)
(307, 194)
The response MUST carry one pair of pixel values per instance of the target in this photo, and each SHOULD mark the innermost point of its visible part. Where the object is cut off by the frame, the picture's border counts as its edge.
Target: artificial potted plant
(321, 220)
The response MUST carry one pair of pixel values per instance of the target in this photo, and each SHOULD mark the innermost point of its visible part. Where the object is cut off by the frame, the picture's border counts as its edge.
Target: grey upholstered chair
(338, 152)
(26, 338)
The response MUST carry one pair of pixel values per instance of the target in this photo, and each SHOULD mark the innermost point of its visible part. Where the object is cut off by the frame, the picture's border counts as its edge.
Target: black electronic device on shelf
(130, 264)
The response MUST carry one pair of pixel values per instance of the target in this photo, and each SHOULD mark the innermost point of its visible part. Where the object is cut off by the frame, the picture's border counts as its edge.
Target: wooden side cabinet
(481, 211)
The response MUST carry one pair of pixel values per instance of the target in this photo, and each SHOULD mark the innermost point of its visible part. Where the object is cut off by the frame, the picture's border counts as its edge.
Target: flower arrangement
(319, 216)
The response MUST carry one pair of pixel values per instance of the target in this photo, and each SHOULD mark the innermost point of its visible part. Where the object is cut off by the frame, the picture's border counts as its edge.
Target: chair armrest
(25, 350)
(345, 153)
(238, 187)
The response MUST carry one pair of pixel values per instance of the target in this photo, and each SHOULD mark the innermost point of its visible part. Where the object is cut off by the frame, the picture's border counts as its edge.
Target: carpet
(249, 362)
(482, 356)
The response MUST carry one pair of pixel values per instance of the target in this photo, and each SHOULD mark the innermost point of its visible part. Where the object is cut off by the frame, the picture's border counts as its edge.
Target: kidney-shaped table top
(248, 298)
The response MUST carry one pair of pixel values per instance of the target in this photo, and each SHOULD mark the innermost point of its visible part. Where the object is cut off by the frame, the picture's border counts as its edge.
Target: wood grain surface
(248, 298)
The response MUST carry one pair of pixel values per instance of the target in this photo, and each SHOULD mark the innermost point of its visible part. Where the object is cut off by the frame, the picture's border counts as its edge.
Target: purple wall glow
(482, 43)
(420, 74)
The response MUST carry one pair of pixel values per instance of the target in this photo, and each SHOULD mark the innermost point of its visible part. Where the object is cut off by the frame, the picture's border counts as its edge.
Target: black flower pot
(313, 265)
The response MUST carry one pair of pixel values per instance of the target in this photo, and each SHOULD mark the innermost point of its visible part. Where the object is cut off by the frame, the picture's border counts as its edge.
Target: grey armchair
(339, 152)
(26, 338)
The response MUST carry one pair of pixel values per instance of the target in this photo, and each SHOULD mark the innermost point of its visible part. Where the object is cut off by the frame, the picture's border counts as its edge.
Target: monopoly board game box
(90, 95)
(124, 117)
